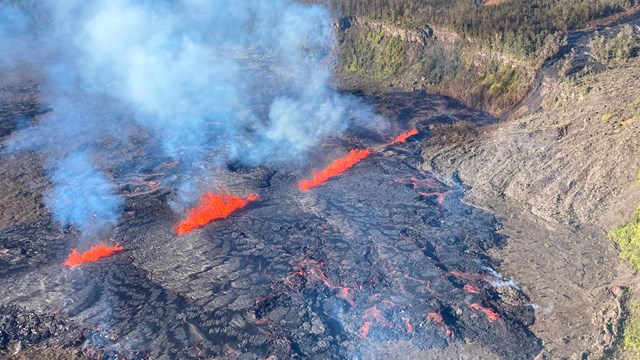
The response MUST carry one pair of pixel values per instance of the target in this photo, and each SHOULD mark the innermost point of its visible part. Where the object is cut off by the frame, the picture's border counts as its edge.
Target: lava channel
(336, 168)
(212, 207)
(94, 254)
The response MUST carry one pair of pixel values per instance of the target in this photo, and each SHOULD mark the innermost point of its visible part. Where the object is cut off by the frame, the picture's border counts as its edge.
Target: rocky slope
(560, 178)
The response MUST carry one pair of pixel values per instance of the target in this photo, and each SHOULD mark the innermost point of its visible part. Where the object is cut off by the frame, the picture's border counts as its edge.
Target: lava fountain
(94, 254)
(404, 136)
(336, 168)
(212, 207)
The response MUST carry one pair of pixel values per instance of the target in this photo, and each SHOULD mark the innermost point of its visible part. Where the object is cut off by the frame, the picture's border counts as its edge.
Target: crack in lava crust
(368, 259)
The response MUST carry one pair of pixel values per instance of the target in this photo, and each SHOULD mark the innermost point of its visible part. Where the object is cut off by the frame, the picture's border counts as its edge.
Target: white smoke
(246, 80)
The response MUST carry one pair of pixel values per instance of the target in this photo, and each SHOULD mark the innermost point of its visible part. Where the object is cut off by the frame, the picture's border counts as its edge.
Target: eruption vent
(213, 207)
(404, 136)
(334, 169)
(94, 254)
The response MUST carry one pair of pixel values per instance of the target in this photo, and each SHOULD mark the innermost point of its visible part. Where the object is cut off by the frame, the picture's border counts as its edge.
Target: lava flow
(404, 136)
(336, 168)
(94, 254)
(213, 207)
(491, 315)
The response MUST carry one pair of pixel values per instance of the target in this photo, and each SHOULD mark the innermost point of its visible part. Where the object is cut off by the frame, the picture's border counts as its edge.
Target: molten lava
(94, 254)
(437, 318)
(491, 315)
(471, 289)
(404, 136)
(212, 207)
(409, 326)
(334, 169)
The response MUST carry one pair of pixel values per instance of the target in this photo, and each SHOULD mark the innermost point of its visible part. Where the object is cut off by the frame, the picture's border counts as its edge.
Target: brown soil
(560, 179)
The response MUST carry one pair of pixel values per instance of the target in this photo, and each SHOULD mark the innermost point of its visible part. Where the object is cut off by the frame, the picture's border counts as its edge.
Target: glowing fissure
(336, 168)
(94, 254)
(313, 271)
(373, 316)
(212, 207)
(404, 136)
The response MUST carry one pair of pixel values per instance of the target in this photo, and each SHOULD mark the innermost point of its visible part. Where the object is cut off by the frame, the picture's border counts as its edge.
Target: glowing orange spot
(434, 316)
(472, 289)
(364, 330)
(345, 295)
(491, 315)
(336, 168)
(404, 136)
(439, 195)
(437, 318)
(409, 326)
(212, 207)
(94, 254)
(373, 316)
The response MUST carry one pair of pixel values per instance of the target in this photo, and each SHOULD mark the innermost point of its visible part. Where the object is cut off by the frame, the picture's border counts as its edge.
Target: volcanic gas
(336, 168)
(380, 259)
(212, 207)
(94, 254)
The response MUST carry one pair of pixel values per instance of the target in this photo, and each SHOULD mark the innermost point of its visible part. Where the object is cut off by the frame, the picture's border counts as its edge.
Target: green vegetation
(454, 70)
(631, 338)
(391, 57)
(631, 331)
(490, 65)
(501, 81)
(615, 50)
(522, 28)
(374, 53)
(628, 239)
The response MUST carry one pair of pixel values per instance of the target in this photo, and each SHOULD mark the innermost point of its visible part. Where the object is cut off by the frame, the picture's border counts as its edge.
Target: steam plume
(245, 80)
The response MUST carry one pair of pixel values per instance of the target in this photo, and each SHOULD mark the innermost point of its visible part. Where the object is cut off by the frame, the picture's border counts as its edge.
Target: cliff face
(419, 36)
(379, 57)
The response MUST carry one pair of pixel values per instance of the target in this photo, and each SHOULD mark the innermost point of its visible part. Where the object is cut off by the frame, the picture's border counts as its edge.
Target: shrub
(627, 237)
(617, 49)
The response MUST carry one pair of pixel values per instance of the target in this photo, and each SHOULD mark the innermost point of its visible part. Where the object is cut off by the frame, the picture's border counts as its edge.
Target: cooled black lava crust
(381, 253)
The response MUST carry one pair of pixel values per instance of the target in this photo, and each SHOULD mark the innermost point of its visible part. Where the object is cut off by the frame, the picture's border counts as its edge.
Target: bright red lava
(471, 289)
(364, 329)
(336, 168)
(404, 136)
(212, 207)
(94, 254)
(409, 326)
(491, 315)
(373, 316)
(437, 318)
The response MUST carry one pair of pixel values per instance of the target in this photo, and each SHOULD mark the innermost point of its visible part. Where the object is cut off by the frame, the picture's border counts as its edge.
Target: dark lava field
(383, 253)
